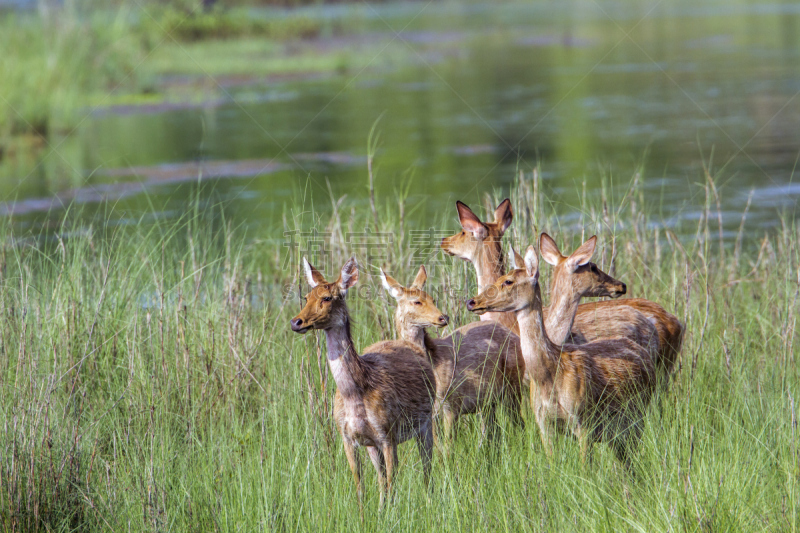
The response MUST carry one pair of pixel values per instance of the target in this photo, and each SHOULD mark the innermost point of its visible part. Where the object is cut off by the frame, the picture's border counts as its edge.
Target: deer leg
(583, 434)
(425, 445)
(622, 452)
(376, 456)
(354, 461)
(390, 457)
(533, 394)
(436, 423)
(492, 431)
(513, 407)
(624, 444)
(490, 427)
(545, 431)
(587, 456)
(449, 425)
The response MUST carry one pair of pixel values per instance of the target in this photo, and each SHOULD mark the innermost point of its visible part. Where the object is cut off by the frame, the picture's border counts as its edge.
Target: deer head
(325, 304)
(478, 237)
(514, 291)
(576, 275)
(415, 307)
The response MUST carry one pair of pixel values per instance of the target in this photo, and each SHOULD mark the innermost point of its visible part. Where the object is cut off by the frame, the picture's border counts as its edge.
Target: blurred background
(128, 109)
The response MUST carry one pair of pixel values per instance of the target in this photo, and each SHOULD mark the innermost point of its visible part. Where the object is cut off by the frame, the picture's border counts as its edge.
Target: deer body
(593, 319)
(477, 368)
(598, 391)
(363, 412)
(384, 397)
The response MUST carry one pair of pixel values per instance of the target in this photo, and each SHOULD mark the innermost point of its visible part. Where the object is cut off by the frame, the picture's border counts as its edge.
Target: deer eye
(327, 299)
(508, 282)
(417, 303)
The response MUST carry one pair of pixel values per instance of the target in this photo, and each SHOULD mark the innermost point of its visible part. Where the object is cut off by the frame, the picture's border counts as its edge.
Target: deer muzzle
(476, 307)
(298, 325)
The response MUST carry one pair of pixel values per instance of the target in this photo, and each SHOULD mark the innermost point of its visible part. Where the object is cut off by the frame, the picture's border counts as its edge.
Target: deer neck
(488, 269)
(410, 332)
(418, 336)
(489, 263)
(346, 366)
(561, 314)
(541, 355)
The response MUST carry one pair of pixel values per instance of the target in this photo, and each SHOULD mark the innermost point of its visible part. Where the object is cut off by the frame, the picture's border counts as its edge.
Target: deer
(477, 367)
(575, 277)
(594, 319)
(383, 397)
(598, 392)
(480, 243)
(640, 320)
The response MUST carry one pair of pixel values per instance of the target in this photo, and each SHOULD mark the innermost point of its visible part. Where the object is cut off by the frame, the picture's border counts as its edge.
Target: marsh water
(467, 95)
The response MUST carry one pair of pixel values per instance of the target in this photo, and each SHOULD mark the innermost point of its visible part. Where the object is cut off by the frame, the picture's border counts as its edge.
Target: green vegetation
(60, 63)
(193, 23)
(51, 66)
(149, 381)
(252, 59)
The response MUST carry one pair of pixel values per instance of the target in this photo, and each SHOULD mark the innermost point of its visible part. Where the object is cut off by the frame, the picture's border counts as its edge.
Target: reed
(149, 381)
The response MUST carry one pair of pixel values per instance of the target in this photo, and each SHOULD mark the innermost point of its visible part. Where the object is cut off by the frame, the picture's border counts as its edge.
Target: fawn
(479, 242)
(477, 367)
(384, 397)
(598, 391)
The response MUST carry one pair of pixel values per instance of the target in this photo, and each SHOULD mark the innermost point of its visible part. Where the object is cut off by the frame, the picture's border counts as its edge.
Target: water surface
(468, 94)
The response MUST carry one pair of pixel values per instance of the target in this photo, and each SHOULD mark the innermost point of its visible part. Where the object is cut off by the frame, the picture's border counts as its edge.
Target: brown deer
(384, 397)
(576, 276)
(642, 321)
(477, 368)
(480, 243)
(598, 391)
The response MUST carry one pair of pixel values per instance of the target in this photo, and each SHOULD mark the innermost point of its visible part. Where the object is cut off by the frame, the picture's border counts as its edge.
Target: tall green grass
(59, 63)
(53, 64)
(149, 382)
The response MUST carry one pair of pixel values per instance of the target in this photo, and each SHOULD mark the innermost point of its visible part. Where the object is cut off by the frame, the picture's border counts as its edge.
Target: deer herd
(591, 368)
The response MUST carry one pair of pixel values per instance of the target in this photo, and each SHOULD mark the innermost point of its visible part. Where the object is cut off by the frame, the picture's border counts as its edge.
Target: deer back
(668, 329)
(476, 364)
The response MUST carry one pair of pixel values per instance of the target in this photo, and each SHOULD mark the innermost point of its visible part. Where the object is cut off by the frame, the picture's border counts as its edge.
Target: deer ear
(516, 259)
(422, 277)
(583, 254)
(470, 221)
(392, 287)
(503, 215)
(532, 263)
(313, 277)
(349, 275)
(550, 252)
